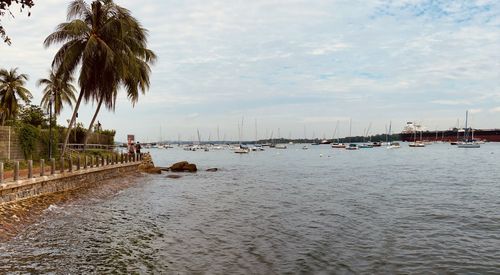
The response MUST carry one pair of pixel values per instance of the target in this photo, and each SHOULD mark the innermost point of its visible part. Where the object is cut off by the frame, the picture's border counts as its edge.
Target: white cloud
(306, 62)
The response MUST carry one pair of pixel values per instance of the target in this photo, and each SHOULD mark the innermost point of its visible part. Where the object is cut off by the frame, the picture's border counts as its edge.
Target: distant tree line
(354, 139)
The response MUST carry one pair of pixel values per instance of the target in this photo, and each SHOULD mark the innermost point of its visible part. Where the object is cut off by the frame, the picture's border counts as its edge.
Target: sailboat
(416, 143)
(365, 136)
(352, 146)
(337, 144)
(305, 138)
(468, 142)
(241, 149)
(391, 145)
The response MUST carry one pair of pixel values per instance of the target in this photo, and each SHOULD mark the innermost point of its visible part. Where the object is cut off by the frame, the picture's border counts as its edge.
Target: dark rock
(173, 176)
(212, 170)
(190, 168)
(179, 166)
(153, 170)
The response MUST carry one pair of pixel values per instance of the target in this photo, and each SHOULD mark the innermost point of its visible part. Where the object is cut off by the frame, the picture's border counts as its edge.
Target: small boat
(468, 145)
(365, 146)
(352, 146)
(338, 145)
(280, 146)
(305, 147)
(376, 144)
(325, 141)
(394, 145)
(416, 144)
(242, 151)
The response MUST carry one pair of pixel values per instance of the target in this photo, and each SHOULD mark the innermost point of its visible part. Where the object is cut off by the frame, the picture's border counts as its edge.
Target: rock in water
(148, 166)
(153, 170)
(178, 167)
(183, 166)
(212, 170)
(174, 176)
(190, 168)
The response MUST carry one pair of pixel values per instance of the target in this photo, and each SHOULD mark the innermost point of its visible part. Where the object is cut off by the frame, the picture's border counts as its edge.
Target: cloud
(306, 62)
(452, 102)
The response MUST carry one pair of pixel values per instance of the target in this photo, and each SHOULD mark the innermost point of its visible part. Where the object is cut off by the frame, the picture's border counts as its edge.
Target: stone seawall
(28, 188)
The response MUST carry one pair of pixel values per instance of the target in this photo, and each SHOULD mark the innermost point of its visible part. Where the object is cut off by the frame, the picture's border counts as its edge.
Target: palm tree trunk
(73, 118)
(89, 131)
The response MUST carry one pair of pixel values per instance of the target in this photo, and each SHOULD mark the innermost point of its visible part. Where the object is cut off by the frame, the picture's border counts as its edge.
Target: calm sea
(433, 210)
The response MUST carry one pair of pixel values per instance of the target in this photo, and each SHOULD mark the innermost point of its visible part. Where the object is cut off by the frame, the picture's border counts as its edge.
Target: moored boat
(352, 146)
(338, 145)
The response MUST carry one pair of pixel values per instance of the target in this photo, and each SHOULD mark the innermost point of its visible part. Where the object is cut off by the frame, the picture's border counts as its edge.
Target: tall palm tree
(107, 43)
(59, 90)
(11, 91)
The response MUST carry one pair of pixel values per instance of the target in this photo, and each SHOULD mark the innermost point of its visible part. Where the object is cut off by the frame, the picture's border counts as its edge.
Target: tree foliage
(33, 115)
(28, 137)
(5, 8)
(58, 89)
(108, 46)
(12, 91)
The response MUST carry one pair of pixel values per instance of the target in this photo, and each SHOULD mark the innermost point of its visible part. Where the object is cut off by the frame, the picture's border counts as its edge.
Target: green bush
(28, 138)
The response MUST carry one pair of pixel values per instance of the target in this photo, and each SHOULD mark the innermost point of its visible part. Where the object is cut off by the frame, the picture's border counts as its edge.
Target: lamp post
(50, 125)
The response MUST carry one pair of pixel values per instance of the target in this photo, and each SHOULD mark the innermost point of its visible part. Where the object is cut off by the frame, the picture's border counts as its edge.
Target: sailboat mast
(350, 129)
(466, 126)
(256, 137)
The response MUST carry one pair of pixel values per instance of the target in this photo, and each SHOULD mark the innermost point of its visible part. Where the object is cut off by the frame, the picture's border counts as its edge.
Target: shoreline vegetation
(103, 49)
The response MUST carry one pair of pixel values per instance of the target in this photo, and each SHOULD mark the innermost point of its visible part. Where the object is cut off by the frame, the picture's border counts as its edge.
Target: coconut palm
(107, 44)
(11, 91)
(59, 89)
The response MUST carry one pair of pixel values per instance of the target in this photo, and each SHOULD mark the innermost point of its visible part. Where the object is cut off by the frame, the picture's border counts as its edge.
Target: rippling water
(413, 210)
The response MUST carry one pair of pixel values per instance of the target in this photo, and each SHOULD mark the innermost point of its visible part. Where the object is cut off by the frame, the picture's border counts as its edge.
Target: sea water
(410, 210)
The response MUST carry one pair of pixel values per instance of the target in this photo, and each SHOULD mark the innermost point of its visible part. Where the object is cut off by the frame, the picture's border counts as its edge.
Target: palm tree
(11, 90)
(108, 44)
(59, 90)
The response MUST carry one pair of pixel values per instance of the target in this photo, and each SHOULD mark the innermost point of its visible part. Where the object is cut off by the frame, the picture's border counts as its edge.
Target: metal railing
(66, 165)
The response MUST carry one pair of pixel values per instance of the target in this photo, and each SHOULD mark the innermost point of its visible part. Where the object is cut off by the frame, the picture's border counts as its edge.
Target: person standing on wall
(138, 148)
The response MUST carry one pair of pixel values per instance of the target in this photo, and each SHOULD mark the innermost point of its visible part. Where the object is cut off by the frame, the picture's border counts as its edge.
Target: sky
(295, 67)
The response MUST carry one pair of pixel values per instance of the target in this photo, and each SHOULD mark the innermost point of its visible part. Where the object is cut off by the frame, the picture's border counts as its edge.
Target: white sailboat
(352, 146)
(468, 142)
(337, 144)
(392, 145)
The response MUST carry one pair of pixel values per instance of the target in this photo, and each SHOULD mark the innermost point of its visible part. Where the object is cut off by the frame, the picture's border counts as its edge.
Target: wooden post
(62, 166)
(30, 169)
(16, 171)
(1, 172)
(42, 167)
(121, 158)
(85, 162)
(78, 163)
(52, 166)
(102, 161)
